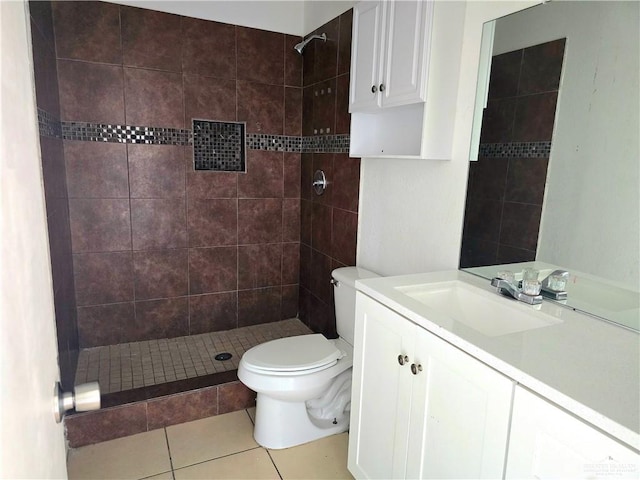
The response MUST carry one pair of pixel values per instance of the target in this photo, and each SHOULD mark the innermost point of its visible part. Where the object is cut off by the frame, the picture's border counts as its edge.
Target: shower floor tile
(127, 366)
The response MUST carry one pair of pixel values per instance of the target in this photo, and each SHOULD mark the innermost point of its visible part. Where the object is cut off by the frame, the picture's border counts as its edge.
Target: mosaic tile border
(50, 126)
(516, 149)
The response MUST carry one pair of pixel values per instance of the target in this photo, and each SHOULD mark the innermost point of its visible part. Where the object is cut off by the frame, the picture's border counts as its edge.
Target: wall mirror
(556, 183)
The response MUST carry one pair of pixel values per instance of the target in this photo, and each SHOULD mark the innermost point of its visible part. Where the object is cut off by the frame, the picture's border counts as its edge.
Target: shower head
(300, 46)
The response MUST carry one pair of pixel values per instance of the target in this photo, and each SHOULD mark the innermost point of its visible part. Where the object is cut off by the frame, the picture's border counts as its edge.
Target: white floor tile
(325, 458)
(252, 464)
(210, 438)
(134, 457)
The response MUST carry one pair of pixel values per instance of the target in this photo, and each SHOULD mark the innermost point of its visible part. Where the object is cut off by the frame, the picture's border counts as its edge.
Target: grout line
(274, 463)
(166, 437)
(218, 458)
(250, 419)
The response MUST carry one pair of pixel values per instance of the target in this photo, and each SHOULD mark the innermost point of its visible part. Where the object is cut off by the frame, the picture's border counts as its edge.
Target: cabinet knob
(382, 87)
(415, 369)
(402, 359)
(374, 89)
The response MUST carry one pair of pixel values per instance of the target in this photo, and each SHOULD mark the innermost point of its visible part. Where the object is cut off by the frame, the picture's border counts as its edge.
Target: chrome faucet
(508, 289)
(549, 290)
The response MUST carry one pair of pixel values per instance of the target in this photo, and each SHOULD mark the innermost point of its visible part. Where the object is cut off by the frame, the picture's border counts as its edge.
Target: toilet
(304, 382)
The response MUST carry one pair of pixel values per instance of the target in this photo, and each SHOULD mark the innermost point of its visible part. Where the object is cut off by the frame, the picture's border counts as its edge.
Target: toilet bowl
(304, 382)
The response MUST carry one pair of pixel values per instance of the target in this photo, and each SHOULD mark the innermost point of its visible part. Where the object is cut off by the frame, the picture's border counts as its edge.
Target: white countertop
(585, 365)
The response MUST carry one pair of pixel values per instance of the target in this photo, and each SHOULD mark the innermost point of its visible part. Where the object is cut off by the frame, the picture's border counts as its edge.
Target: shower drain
(221, 357)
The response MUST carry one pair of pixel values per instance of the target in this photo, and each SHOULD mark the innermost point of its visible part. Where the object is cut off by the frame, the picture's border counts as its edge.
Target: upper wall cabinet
(404, 74)
(390, 54)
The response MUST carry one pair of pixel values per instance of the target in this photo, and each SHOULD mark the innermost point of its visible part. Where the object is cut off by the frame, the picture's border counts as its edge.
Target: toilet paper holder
(85, 397)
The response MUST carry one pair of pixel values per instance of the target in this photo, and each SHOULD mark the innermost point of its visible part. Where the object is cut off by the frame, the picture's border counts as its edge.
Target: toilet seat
(301, 354)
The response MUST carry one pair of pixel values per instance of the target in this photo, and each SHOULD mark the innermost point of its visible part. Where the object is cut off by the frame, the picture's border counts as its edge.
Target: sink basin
(481, 310)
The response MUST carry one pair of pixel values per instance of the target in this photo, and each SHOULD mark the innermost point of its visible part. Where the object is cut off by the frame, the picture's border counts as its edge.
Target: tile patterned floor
(141, 364)
(220, 447)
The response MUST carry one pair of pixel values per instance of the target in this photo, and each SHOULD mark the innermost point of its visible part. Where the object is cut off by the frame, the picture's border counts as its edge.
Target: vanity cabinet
(405, 62)
(422, 408)
(547, 442)
(390, 50)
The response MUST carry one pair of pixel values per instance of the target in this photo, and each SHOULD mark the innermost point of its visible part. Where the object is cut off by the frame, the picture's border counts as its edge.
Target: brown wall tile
(207, 98)
(204, 184)
(260, 220)
(53, 168)
(292, 62)
(91, 92)
(103, 278)
(520, 225)
(346, 183)
(213, 312)
(42, 15)
(292, 171)
(100, 225)
(264, 177)
(291, 220)
(326, 53)
(534, 117)
(257, 306)
(156, 171)
(184, 407)
(235, 396)
(290, 263)
(103, 425)
(324, 107)
(88, 31)
(153, 98)
(289, 301)
(45, 69)
(344, 234)
(151, 39)
(343, 117)
(96, 169)
(321, 276)
(344, 45)
(213, 269)
(261, 106)
(158, 223)
(213, 222)
(104, 324)
(200, 39)
(321, 224)
(258, 58)
(162, 318)
(259, 265)
(161, 273)
(541, 67)
(293, 111)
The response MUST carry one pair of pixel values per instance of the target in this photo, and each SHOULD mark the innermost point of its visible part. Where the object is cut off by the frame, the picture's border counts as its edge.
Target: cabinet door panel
(368, 32)
(460, 417)
(381, 398)
(406, 50)
(546, 442)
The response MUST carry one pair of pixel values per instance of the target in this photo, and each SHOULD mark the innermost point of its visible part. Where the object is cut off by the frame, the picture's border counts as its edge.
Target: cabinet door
(460, 414)
(368, 31)
(381, 395)
(546, 442)
(406, 52)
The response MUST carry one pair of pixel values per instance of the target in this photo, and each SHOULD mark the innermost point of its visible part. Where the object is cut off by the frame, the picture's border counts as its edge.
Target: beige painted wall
(31, 443)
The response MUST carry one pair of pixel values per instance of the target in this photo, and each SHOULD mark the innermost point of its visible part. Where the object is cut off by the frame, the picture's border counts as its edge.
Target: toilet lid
(290, 354)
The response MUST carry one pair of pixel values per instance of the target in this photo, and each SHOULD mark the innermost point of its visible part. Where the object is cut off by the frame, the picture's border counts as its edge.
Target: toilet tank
(345, 298)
